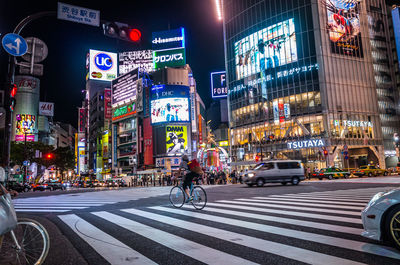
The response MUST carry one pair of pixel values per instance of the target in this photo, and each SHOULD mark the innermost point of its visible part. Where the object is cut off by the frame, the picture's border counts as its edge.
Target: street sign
(78, 14)
(14, 44)
(26, 163)
(36, 48)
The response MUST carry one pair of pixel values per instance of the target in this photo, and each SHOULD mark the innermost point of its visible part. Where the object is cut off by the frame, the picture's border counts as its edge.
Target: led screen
(169, 110)
(25, 127)
(267, 48)
(176, 140)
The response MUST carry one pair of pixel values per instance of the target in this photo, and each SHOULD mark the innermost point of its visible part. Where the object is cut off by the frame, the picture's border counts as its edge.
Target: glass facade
(298, 70)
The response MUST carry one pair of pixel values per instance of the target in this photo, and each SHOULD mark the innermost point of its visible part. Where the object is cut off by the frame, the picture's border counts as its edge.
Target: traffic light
(325, 152)
(49, 156)
(13, 92)
(121, 31)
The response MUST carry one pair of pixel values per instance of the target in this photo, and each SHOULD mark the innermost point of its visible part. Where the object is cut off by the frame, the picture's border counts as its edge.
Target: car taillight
(362, 171)
(321, 174)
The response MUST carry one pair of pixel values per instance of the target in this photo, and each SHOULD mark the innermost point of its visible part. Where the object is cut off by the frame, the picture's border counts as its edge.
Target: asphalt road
(315, 222)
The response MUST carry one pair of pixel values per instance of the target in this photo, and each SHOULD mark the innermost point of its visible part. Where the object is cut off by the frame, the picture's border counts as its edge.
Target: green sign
(170, 58)
(124, 111)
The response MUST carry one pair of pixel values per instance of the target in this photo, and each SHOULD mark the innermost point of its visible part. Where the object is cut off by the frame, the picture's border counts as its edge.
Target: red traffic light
(13, 90)
(135, 35)
(49, 156)
(325, 152)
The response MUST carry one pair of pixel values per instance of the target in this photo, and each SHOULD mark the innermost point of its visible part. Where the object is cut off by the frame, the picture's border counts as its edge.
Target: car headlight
(250, 175)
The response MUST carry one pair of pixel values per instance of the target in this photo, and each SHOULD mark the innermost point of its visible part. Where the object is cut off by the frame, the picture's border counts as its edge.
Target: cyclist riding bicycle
(187, 177)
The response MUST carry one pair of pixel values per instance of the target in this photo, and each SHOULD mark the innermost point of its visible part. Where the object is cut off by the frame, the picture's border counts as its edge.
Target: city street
(316, 222)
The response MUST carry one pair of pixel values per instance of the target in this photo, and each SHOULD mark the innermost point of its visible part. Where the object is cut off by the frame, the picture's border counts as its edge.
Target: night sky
(68, 42)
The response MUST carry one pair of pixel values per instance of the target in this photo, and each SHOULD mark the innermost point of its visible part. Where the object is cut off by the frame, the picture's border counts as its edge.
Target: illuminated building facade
(304, 82)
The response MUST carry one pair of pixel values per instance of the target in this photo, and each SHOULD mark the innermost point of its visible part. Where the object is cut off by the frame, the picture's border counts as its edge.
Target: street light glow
(219, 12)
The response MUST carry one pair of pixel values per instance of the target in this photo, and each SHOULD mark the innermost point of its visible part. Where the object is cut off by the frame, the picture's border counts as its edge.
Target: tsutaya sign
(349, 123)
(306, 144)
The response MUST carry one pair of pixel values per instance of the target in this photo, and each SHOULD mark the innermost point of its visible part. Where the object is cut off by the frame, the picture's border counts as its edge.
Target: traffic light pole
(9, 82)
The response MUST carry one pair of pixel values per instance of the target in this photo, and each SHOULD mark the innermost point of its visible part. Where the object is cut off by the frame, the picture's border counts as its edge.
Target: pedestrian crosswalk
(313, 228)
(78, 201)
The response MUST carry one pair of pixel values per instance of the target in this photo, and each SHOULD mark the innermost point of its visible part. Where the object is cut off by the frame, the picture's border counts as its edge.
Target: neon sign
(306, 144)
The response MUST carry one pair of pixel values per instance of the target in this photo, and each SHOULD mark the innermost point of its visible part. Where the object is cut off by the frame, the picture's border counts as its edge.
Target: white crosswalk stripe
(317, 232)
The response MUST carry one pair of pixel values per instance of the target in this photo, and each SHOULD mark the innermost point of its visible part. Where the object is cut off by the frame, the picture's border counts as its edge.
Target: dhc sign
(306, 144)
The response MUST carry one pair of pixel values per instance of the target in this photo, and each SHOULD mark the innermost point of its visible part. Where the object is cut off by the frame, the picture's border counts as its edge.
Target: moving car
(330, 173)
(40, 186)
(381, 217)
(13, 185)
(55, 185)
(275, 171)
(370, 171)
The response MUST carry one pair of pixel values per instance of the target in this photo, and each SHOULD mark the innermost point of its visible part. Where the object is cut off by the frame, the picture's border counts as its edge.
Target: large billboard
(176, 140)
(267, 48)
(136, 59)
(219, 88)
(343, 26)
(169, 58)
(103, 66)
(25, 127)
(169, 39)
(124, 88)
(169, 110)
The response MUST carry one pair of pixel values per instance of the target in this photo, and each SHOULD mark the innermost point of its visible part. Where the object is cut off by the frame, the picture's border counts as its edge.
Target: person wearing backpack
(191, 170)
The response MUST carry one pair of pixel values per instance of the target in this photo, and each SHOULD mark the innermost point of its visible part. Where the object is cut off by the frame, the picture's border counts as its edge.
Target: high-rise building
(310, 80)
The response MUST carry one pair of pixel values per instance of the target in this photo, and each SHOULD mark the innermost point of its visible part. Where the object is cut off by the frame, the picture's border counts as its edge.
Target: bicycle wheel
(33, 240)
(177, 197)
(199, 197)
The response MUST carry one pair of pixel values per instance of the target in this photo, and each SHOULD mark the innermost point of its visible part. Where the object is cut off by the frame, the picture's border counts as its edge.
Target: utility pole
(9, 82)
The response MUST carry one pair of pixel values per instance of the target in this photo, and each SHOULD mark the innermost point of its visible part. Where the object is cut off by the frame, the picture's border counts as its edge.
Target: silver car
(275, 171)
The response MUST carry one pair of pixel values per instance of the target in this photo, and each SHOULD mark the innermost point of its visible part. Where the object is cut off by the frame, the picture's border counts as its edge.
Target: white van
(275, 171)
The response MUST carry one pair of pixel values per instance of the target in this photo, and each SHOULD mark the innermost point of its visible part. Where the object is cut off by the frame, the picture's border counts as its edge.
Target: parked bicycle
(177, 196)
(22, 241)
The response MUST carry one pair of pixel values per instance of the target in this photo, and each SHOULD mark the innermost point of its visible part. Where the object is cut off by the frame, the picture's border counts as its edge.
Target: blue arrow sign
(14, 44)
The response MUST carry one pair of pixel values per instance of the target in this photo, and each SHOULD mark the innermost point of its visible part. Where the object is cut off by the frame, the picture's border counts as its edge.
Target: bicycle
(178, 196)
(27, 243)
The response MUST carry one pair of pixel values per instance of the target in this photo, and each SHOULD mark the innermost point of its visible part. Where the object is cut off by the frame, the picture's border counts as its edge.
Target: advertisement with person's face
(25, 125)
(265, 49)
(344, 26)
(169, 110)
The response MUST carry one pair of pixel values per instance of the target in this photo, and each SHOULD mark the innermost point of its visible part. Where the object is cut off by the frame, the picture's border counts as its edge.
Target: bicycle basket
(8, 217)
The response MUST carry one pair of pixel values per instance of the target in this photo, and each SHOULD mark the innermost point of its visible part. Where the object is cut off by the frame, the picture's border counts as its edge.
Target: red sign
(200, 131)
(148, 142)
(107, 104)
(82, 120)
(281, 112)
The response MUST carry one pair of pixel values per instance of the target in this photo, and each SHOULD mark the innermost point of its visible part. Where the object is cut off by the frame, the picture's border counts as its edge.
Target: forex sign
(312, 143)
(102, 65)
(135, 59)
(218, 85)
(169, 39)
(169, 58)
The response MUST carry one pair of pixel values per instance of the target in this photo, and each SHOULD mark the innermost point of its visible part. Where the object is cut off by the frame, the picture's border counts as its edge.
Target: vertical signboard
(219, 88)
(200, 130)
(107, 104)
(25, 127)
(114, 144)
(343, 24)
(82, 120)
(148, 142)
(193, 109)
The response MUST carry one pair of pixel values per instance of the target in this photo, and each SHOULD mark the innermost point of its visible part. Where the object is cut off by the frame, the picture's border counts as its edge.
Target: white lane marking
(107, 246)
(179, 244)
(46, 207)
(41, 211)
(318, 238)
(304, 204)
(309, 200)
(323, 226)
(282, 250)
(358, 213)
(328, 198)
(292, 213)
